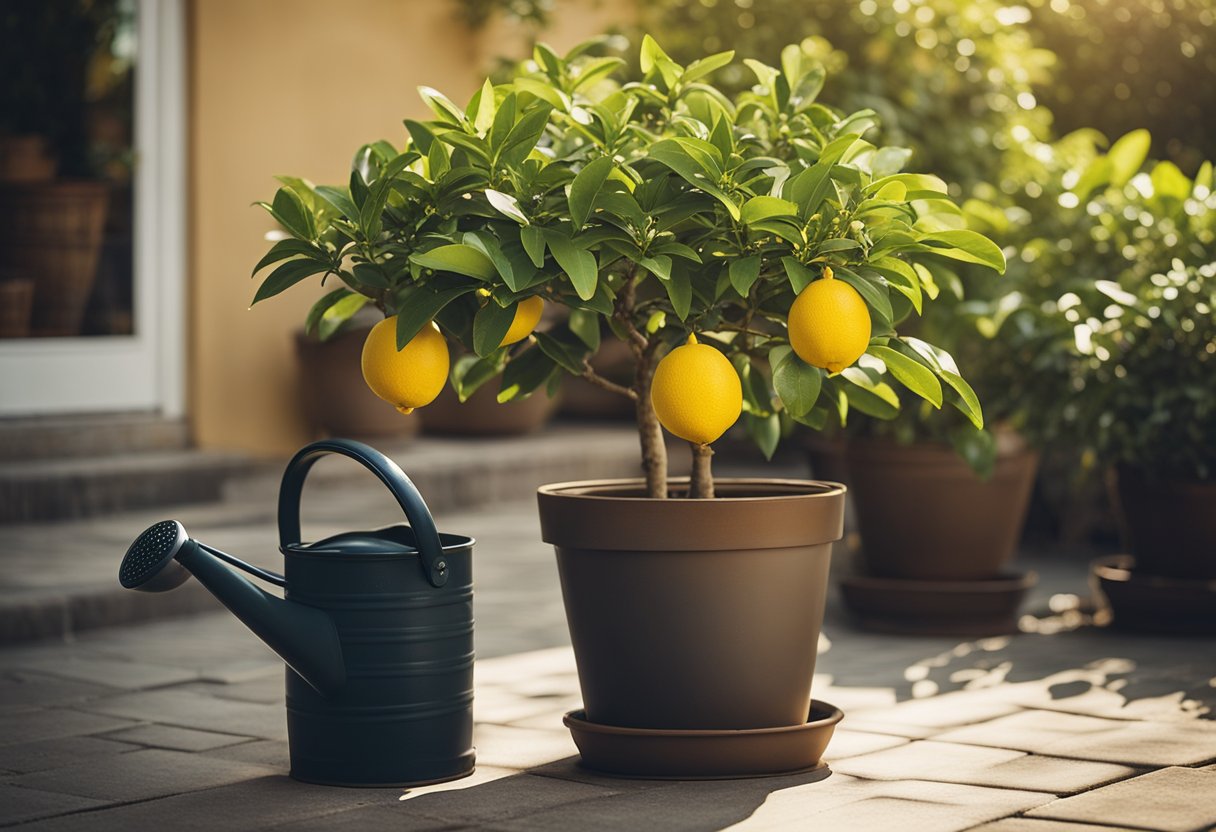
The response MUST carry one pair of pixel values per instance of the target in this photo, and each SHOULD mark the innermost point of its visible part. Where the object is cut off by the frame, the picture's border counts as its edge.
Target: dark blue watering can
(376, 628)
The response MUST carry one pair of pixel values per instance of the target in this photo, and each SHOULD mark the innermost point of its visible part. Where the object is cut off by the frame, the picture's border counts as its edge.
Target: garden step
(91, 435)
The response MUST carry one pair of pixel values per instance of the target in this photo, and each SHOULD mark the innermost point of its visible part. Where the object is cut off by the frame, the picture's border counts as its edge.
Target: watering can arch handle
(430, 550)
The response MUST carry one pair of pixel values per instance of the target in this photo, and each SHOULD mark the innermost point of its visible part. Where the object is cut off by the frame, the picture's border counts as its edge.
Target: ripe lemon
(696, 392)
(527, 315)
(829, 324)
(410, 377)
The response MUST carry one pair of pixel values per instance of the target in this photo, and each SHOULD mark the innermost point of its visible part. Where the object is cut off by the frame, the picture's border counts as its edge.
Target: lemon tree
(764, 223)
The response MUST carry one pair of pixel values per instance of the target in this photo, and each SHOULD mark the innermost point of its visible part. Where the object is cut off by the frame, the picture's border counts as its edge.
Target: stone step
(91, 435)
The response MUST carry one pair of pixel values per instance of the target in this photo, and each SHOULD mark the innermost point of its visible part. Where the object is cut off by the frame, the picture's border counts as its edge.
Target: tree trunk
(701, 484)
(654, 450)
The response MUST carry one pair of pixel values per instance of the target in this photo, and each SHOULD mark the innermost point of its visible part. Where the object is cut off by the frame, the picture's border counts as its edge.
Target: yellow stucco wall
(294, 87)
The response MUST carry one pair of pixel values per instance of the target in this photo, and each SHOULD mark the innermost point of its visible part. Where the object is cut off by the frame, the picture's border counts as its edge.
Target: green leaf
(568, 352)
(318, 308)
(288, 275)
(1169, 182)
(533, 241)
(704, 66)
(595, 70)
(458, 258)
(911, 374)
(284, 249)
(336, 316)
(874, 398)
(765, 431)
(653, 57)
(808, 188)
(291, 213)
(576, 262)
(797, 384)
(586, 186)
(968, 246)
(490, 325)
(470, 372)
(526, 372)
(744, 273)
(966, 401)
(875, 296)
(586, 325)
(418, 306)
(676, 156)
(763, 207)
(1127, 155)
(340, 199)
(507, 205)
(800, 276)
(448, 112)
(679, 292)
(659, 266)
(484, 112)
(838, 244)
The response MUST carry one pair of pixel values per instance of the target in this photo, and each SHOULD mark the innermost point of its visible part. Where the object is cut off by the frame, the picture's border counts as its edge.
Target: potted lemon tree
(749, 250)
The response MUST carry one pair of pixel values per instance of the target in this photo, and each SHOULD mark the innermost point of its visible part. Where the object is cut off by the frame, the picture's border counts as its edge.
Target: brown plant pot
(1168, 524)
(52, 232)
(16, 307)
(694, 614)
(1147, 603)
(26, 159)
(336, 399)
(483, 415)
(924, 514)
(583, 400)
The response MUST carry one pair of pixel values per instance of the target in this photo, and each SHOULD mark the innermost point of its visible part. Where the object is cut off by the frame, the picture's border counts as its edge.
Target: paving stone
(24, 691)
(58, 753)
(569, 768)
(1092, 738)
(110, 672)
(501, 798)
(254, 804)
(1031, 825)
(242, 671)
(980, 766)
(18, 805)
(52, 723)
(920, 718)
(846, 743)
(517, 748)
(270, 753)
(397, 817)
(267, 690)
(192, 710)
(140, 775)
(1172, 800)
(178, 739)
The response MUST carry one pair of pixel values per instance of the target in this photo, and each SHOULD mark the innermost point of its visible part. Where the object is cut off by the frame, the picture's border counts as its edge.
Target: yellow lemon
(527, 315)
(696, 392)
(829, 324)
(410, 377)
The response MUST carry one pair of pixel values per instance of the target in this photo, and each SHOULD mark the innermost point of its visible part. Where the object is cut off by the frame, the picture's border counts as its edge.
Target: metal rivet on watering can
(376, 627)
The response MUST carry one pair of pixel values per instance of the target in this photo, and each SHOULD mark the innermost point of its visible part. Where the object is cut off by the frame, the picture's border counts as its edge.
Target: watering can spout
(163, 557)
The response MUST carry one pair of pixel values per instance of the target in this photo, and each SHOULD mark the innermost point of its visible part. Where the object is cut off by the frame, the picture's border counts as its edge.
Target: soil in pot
(694, 614)
(924, 514)
(1168, 524)
(336, 400)
(482, 414)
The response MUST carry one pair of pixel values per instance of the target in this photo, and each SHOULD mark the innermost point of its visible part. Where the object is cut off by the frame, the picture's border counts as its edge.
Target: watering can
(376, 628)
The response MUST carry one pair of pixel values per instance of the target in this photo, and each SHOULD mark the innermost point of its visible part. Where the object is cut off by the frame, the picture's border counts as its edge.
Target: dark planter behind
(336, 399)
(694, 614)
(482, 415)
(1168, 524)
(924, 514)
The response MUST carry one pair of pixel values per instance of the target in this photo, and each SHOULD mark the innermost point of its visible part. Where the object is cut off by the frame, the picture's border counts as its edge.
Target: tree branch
(701, 483)
(599, 381)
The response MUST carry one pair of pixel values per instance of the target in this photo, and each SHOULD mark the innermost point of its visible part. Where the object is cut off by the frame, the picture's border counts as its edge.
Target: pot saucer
(657, 754)
(937, 608)
(1152, 603)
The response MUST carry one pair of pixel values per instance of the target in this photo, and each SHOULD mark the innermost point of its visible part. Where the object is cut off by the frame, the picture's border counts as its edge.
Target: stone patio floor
(180, 723)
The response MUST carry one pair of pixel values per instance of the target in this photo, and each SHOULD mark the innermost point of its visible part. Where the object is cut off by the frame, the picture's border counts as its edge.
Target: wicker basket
(52, 231)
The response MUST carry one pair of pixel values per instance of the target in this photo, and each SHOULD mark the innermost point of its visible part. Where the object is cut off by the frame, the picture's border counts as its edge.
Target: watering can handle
(434, 564)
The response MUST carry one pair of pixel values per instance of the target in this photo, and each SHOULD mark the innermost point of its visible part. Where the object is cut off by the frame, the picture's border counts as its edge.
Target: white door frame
(144, 371)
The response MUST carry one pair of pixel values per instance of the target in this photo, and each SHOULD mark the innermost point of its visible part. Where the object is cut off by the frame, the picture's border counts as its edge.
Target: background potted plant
(1114, 318)
(752, 252)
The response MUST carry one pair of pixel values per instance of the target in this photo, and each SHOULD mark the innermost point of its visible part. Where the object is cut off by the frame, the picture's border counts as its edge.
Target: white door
(139, 364)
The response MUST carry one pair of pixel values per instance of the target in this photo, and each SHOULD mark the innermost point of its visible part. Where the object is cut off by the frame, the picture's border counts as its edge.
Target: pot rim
(798, 490)
(579, 718)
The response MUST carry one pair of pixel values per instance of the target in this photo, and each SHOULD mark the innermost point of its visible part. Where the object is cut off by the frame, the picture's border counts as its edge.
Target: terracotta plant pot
(1168, 524)
(694, 614)
(583, 400)
(52, 232)
(482, 415)
(26, 159)
(924, 514)
(336, 400)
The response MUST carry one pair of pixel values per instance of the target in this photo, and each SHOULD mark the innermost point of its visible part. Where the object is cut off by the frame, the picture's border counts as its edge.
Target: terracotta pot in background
(26, 159)
(52, 232)
(482, 415)
(336, 399)
(583, 400)
(1168, 524)
(924, 514)
(694, 614)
